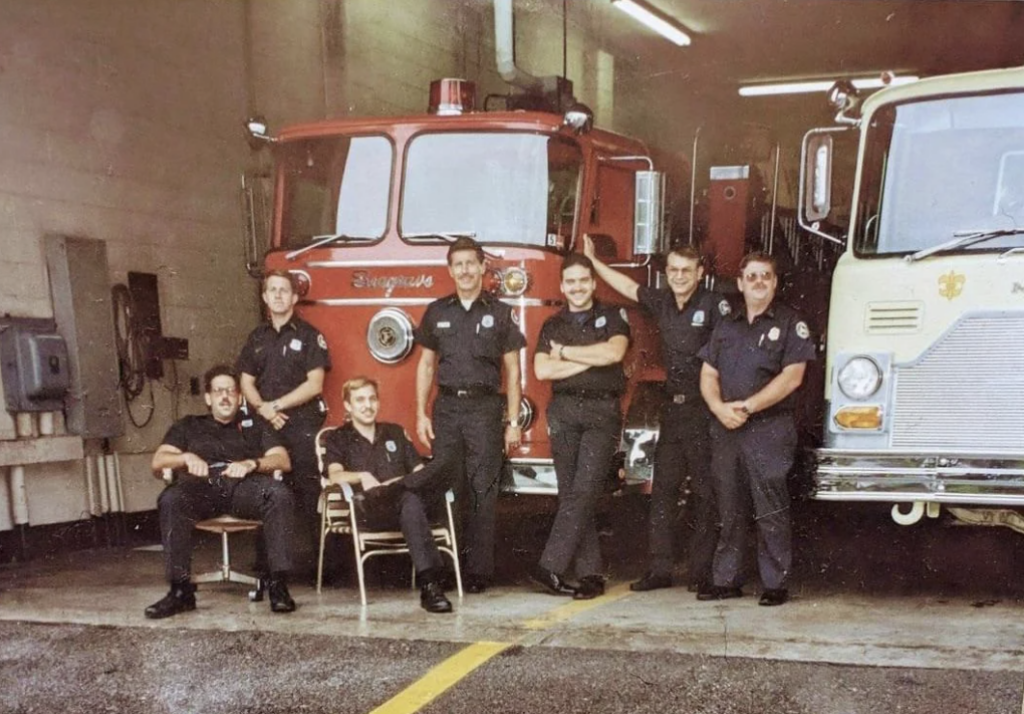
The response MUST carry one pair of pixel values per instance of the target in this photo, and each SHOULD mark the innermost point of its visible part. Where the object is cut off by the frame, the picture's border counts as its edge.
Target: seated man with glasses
(224, 462)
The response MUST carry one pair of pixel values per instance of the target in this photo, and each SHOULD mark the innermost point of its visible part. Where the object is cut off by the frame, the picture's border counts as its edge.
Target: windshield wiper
(319, 241)
(962, 239)
(450, 237)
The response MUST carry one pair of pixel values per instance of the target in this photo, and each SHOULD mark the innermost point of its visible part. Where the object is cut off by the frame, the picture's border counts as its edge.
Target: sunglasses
(764, 275)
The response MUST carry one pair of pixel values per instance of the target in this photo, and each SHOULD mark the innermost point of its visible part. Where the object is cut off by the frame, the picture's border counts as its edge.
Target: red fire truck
(364, 209)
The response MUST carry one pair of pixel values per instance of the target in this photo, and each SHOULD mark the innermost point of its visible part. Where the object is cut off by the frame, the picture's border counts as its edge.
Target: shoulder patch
(802, 331)
(624, 315)
(724, 308)
(320, 340)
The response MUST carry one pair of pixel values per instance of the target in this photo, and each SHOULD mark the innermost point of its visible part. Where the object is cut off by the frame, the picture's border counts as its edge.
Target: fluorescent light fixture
(761, 90)
(654, 19)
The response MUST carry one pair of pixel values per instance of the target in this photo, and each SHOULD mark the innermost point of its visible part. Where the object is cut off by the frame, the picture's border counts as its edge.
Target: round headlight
(389, 336)
(514, 282)
(860, 378)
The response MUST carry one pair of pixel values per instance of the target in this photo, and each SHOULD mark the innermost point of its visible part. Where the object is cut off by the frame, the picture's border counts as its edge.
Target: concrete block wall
(121, 120)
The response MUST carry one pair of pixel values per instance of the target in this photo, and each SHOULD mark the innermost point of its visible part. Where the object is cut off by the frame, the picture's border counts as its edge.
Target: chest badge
(246, 423)
(773, 334)
(951, 285)
(600, 322)
(295, 345)
(698, 319)
(487, 321)
(391, 446)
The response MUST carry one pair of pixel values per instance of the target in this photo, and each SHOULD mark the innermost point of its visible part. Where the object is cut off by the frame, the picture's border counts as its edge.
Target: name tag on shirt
(444, 324)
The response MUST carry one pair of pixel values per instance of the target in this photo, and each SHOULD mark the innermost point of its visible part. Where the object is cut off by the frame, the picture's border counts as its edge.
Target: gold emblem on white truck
(951, 284)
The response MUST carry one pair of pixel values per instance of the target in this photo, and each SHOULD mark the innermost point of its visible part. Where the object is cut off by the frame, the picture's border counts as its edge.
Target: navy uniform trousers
(191, 499)
(683, 451)
(469, 441)
(584, 436)
(749, 467)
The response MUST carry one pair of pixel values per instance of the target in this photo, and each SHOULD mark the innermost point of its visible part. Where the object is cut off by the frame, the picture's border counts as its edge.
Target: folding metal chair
(338, 516)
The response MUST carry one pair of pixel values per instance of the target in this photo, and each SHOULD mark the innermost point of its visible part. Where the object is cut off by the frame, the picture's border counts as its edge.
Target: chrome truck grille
(967, 392)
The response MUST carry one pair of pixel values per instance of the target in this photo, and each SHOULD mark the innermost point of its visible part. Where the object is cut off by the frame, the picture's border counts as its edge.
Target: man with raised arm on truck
(686, 314)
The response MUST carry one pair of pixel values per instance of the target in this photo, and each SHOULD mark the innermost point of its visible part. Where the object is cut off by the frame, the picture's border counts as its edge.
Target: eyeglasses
(223, 391)
(764, 275)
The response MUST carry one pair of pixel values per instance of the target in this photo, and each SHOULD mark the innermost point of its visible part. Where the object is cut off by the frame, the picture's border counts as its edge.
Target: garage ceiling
(743, 41)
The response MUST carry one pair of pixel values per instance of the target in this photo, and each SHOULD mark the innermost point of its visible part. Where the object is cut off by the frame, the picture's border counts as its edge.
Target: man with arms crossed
(466, 339)
(225, 462)
(686, 314)
(753, 364)
(580, 352)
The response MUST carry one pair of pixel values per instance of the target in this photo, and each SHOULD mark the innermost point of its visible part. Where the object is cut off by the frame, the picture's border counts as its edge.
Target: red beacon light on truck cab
(451, 97)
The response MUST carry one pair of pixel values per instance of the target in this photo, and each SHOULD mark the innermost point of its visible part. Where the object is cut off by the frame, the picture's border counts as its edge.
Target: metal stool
(225, 525)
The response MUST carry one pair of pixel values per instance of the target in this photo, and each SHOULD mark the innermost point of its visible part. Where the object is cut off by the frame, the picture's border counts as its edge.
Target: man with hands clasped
(753, 364)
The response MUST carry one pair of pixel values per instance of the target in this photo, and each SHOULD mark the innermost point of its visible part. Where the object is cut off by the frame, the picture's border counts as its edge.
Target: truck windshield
(942, 168)
(501, 188)
(336, 186)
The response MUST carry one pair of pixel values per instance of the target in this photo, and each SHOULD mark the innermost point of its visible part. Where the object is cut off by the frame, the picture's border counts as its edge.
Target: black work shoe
(718, 592)
(590, 586)
(280, 598)
(651, 581)
(432, 598)
(181, 598)
(475, 584)
(771, 598)
(551, 582)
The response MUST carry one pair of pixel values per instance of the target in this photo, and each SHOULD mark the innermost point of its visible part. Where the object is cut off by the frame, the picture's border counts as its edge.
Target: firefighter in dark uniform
(225, 462)
(686, 314)
(580, 351)
(374, 456)
(282, 367)
(753, 364)
(468, 338)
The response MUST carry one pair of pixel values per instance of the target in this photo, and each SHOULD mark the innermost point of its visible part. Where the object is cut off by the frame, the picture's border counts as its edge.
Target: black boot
(432, 598)
(181, 598)
(280, 598)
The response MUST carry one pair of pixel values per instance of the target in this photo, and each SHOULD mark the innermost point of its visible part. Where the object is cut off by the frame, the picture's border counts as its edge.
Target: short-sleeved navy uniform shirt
(217, 443)
(470, 344)
(749, 355)
(683, 332)
(389, 455)
(573, 329)
(281, 361)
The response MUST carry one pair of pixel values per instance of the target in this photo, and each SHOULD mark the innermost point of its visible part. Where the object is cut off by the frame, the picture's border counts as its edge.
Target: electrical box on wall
(34, 365)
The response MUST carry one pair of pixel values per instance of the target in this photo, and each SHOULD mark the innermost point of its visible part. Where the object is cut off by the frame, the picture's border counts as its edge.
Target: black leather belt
(467, 392)
(589, 393)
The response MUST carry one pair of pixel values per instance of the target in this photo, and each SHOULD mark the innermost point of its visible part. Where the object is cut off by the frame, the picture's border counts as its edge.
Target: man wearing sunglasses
(753, 364)
(224, 462)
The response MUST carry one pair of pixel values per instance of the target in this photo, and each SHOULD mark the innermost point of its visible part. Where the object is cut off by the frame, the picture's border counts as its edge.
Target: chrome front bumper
(929, 477)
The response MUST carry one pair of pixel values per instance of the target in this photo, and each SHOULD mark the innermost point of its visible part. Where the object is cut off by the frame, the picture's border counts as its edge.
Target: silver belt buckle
(679, 399)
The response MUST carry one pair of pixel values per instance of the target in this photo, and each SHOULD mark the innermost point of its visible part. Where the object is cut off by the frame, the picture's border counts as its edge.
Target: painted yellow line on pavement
(445, 675)
(439, 679)
(575, 607)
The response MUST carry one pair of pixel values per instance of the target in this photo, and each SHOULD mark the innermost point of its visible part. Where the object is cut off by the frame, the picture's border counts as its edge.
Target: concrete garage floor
(112, 587)
(862, 637)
